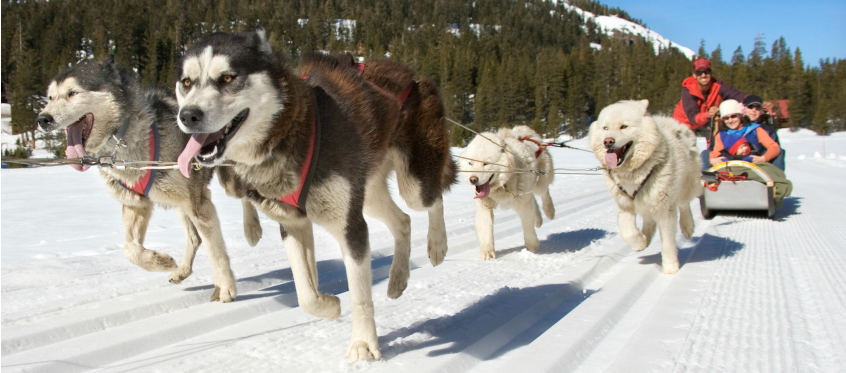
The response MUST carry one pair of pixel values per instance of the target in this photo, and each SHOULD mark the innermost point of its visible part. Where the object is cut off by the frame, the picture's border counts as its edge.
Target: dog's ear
(110, 60)
(260, 40)
(643, 104)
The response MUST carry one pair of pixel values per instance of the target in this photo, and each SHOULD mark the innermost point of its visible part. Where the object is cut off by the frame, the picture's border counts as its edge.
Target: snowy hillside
(611, 24)
(752, 295)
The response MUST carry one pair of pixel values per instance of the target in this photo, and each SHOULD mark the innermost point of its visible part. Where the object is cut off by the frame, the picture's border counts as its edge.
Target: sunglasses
(733, 116)
(700, 72)
(755, 107)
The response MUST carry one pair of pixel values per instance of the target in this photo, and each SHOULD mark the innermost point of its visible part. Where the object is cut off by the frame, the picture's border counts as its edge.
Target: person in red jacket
(701, 96)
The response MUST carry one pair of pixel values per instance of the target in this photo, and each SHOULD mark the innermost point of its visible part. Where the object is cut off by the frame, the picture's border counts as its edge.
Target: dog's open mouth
(483, 190)
(208, 148)
(76, 134)
(614, 158)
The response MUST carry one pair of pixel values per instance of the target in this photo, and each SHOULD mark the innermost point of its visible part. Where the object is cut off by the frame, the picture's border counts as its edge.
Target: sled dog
(419, 149)
(652, 169)
(307, 149)
(499, 166)
(98, 104)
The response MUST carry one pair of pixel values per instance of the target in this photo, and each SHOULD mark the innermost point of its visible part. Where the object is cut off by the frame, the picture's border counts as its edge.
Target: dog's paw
(326, 306)
(397, 282)
(360, 350)
(670, 266)
(253, 233)
(533, 245)
(437, 250)
(224, 294)
(179, 274)
(155, 261)
(638, 242)
(487, 254)
(687, 229)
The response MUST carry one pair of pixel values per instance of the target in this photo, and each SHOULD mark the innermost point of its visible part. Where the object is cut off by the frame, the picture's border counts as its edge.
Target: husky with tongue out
(652, 169)
(94, 102)
(498, 166)
(307, 149)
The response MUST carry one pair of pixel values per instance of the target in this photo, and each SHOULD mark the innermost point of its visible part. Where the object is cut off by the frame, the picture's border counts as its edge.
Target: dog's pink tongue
(483, 190)
(76, 148)
(611, 159)
(191, 149)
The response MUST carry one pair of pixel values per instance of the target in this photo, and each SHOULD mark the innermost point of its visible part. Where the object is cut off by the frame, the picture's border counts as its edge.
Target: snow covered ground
(752, 295)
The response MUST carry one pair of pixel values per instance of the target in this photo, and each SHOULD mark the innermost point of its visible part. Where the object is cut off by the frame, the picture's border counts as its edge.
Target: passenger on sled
(759, 112)
(738, 139)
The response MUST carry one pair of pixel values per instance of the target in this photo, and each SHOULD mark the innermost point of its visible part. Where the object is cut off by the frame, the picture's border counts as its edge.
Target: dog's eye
(186, 82)
(227, 78)
(72, 93)
(605, 128)
(624, 127)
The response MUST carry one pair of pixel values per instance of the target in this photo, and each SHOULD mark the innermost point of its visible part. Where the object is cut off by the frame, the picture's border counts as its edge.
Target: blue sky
(817, 27)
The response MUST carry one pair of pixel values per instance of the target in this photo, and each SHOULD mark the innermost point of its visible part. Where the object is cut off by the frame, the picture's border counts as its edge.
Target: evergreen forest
(497, 62)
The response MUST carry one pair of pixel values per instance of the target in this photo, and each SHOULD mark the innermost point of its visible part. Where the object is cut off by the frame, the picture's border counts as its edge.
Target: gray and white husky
(313, 149)
(98, 102)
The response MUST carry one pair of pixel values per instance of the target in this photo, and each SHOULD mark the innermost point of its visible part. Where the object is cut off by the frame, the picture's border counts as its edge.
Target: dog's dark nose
(191, 116)
(474, 180)
(609, 142)
(45, 121)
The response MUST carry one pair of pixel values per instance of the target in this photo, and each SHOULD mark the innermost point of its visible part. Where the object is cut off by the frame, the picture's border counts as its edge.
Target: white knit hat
(729, 107)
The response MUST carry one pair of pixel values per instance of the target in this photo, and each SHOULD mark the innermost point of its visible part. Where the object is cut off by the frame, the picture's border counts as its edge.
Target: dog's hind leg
(419, 196)
(202, 213)
(252, 226)
(686, 220)
(628, 230)
(378, 204)
(298, 239)
(548, 206)
(538, 217)
(669, 251)
(193, 243)
(437, 239)
(648, 228)
(135, 221)
(527, 209)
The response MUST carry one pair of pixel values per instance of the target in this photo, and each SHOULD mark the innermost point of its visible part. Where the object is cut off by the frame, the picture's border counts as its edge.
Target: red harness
(541, 147)
(143, 186)
(401, 97)
(293, 199)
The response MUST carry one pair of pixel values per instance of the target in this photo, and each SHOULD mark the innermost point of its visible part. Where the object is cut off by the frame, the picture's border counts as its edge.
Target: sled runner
(739, 185)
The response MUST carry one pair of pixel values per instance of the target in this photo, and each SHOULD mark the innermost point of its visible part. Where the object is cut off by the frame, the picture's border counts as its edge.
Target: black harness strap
(632, 196)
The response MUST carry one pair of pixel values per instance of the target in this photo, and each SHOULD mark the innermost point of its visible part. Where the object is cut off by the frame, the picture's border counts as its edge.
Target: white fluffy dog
(652, 169)
(500, 166)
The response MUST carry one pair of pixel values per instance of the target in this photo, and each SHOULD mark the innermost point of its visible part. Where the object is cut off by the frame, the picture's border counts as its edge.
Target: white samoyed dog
(652, 169)
(507, 169)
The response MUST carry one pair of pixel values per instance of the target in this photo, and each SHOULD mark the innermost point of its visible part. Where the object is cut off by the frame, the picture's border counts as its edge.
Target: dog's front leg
(298, 238)
(528, 211)
(686, 220)
(204, 216)
(669, 251)
(627, 219)
(193, 243)
(135, 221)
(484, 230)
(355, 245)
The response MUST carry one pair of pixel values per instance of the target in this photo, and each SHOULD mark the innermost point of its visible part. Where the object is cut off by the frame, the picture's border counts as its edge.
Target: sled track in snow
(67, 327)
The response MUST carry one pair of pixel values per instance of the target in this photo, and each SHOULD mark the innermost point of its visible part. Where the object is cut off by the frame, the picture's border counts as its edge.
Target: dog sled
(739, 185)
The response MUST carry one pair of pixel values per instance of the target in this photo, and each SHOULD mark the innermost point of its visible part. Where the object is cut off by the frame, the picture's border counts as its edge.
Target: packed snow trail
(752, 294)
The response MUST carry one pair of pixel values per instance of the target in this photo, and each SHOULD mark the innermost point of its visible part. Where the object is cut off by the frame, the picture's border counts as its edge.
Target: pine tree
(798, 93)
